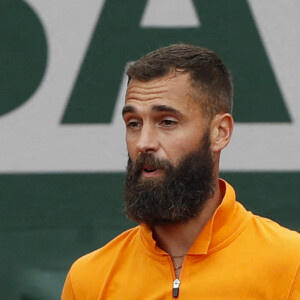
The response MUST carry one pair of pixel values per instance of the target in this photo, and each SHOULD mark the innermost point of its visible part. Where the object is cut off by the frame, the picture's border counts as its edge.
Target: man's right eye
(133, 124)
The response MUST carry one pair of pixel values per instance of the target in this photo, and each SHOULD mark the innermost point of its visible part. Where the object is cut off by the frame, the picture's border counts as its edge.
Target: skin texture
(170, 131)
(162, 118)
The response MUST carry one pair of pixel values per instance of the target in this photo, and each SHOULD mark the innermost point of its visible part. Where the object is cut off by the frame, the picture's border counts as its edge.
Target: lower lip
(156, 173)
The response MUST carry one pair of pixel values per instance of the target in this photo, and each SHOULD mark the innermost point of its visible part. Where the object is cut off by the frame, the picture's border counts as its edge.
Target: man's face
(170, 167)
(162, 119)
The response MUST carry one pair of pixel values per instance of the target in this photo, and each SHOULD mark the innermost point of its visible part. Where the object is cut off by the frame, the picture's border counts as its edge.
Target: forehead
(173, 89)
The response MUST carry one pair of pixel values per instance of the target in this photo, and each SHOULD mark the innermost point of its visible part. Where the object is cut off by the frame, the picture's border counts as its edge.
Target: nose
(148, 140)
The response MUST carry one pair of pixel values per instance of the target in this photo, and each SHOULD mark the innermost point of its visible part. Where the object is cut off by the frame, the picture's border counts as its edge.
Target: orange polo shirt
(236, 256)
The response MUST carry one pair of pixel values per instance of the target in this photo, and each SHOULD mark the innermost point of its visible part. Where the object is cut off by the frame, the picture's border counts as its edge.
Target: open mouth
(149, 169)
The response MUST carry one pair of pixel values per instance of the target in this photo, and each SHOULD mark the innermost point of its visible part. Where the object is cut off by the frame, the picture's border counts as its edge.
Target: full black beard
(177, 196)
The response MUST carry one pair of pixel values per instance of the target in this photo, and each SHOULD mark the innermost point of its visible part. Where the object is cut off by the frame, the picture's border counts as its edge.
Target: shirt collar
(223, 226)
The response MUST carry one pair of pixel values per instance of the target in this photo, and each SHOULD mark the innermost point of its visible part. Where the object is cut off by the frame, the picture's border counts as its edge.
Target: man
(194, 241)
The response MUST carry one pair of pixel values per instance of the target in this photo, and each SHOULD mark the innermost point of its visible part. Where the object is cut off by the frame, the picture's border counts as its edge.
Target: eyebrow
(165, 108)
(155, 108)
(128, 109)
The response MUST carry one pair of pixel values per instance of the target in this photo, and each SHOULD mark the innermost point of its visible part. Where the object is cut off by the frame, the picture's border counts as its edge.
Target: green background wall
(62, 151)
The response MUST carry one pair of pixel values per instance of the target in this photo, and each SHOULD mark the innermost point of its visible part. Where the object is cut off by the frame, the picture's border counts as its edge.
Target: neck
(176, 239)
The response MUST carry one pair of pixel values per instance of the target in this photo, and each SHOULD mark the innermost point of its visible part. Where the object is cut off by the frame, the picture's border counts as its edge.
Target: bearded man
(194, 240)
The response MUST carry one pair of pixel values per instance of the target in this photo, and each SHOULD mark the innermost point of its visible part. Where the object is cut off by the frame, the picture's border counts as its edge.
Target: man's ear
(221, 128)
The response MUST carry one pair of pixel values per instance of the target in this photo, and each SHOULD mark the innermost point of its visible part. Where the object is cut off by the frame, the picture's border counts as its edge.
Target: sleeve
(295, 288)
(68, 292)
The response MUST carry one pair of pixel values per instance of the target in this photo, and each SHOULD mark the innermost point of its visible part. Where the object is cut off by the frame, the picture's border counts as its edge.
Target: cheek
(131, 148)
(179, 147)
(183, 143)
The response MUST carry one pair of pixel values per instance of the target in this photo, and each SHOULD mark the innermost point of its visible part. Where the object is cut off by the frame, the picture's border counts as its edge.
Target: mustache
(149, 160)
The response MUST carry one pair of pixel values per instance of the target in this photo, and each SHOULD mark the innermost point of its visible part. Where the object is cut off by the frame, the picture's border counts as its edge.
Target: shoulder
(275, 236)
(115, 245)
(270, 227)
(88, 270)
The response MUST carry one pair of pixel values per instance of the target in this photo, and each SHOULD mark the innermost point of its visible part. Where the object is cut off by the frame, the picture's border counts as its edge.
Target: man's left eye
(168, 123)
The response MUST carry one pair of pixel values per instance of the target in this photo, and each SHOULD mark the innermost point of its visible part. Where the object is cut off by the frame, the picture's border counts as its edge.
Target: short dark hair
(210, 79)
